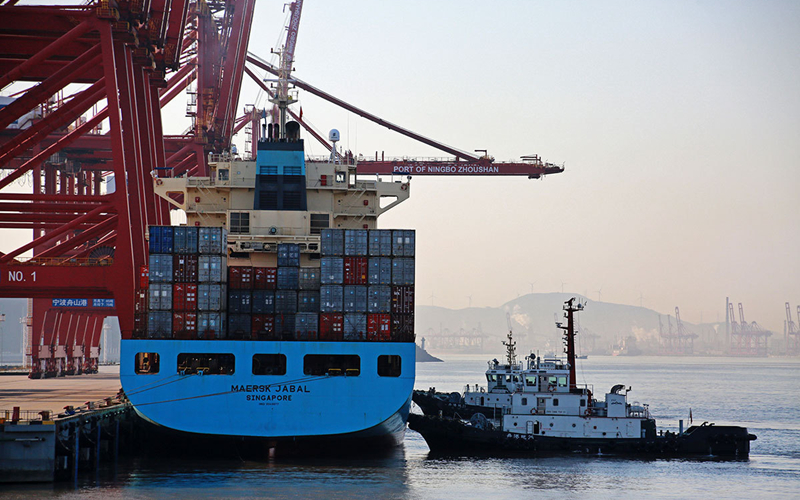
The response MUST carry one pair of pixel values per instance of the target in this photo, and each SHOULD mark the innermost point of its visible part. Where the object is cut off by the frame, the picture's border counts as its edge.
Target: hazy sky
(679, 123)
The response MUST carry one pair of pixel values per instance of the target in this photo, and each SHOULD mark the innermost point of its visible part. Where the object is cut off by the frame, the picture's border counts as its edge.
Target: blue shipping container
(309, 278)
(355, 299)
(356, 243)
(161, 239)
(331, 298)
(332, 242)
(160, 268)
(379, 299)
(308, 301)
(286, 301)
(355, 326)
(239, 301)
(379, 271)
(185, 239)
(288, 255)
(402, 271)
(403, 243)
(331, 271)
(212, 240)
(263, 302)
(288, 278)
(380, 243)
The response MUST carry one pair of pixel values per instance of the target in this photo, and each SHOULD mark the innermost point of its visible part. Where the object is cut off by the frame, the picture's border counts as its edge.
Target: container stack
(185, 283)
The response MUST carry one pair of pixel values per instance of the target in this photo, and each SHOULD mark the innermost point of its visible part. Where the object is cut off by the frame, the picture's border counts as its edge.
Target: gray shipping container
(288, 278)
(263, 302)
(288, 254)
(379, 299)
(379, 271)
(240, 301)
(159, 324)
(211, 297)
(185, 239)
(403, 243)
(355, 299)
(380, 243)
(211, 325)
(332, 242)
(212, 240)
(306, 325)
(331, 271)
(285, 301)
(402, 271)
(331, 298)
(212, 269)
(308, 301)
(309, 278)
(356, 243)
(160, 296)
(160, 268)
(355, 326)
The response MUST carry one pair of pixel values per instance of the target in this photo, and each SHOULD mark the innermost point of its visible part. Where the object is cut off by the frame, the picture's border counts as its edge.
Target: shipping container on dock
(379, 299)
(240, 277)
(161, 239)
(309, 278)
(308, 301)
(379, 327)
(263, 327)
(332, 242)
(211, 297)
(380, 243)
(379, 271)
(211, 325)
(356, 243)
(355, 270)
(331, 298)
(288, 255)
(212, 240)
(263, 302)
(355, 326)
(285, 301)
(185, 268)
(355, 299)
(184, 297)
(212, 269)
(285, 326)
(184, 325)
(160, 297)
(239, 326)
(331, 326)
(160, 268)
(185, 239)
(402, 271)
(402, 300)
(265, 278)
(307, 326)
(159, 324)
(403, 241)
(240, 302)
(288, 278)
(331, 270)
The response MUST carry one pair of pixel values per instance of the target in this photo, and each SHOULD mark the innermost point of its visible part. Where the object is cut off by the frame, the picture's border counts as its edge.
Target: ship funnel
(269, 132)
(292, 131)
(276, 130)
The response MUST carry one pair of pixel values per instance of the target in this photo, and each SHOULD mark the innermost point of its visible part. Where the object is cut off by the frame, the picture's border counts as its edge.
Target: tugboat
(541, 409)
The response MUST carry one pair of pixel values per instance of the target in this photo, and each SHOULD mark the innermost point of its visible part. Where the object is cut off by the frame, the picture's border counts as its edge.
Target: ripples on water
(761, 394)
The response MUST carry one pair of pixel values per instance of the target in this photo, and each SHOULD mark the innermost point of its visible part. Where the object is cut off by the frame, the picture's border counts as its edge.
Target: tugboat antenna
(569, 337)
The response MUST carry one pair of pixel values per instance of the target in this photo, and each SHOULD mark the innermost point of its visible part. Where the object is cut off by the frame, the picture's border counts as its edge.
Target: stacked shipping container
(362, 290)
(185, 283)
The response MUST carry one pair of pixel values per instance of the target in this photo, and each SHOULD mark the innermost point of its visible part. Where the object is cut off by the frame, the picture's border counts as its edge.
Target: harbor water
(761, 394)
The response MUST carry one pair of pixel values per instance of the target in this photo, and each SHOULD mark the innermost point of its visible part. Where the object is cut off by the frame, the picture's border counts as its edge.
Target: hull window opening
(389, 365)
(269, 364)
(206, 364)
(147, 363)
(336, 364)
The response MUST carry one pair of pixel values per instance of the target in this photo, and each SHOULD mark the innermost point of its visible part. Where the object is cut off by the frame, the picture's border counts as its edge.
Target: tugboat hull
(453, 436)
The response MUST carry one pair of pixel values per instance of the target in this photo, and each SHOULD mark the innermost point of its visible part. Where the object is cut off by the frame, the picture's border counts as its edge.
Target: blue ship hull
(294, 406)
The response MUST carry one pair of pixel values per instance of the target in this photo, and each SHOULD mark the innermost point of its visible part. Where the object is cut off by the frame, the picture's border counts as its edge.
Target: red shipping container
(355, 270)
(379, 327)
(144, 277)
(403, 328)
(178, 298)
(331, 326)
(265, 278)
(240, 277)
(263, 327)
(191, 298)
(140, 302)
(184, 268)
(402, 300)
(139, 325)
(178, 325)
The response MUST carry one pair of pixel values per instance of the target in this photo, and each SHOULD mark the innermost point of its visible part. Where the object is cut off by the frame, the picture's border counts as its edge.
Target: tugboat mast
(569, 337)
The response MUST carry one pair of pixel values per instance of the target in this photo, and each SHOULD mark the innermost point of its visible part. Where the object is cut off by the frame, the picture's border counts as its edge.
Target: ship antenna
(511, 346)
(282, 97)
(571, 308)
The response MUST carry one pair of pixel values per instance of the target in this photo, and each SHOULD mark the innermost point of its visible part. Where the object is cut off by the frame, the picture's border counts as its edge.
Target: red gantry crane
(83, 131)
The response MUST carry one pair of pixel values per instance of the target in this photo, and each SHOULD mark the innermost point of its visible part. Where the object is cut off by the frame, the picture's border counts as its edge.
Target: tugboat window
(562, 381)
(147, 363)
(389, 365)
(269, 364)
(524, 401)
(555, 401)
(323, 364)
(530, 380)
(206, 364)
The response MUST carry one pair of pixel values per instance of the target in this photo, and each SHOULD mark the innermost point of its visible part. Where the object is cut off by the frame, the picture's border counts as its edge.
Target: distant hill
(533, 323)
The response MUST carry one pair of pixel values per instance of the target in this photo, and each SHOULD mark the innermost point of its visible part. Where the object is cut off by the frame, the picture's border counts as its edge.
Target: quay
(53, 428)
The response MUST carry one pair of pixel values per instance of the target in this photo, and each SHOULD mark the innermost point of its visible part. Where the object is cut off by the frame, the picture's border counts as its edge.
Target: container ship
(279, 307)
